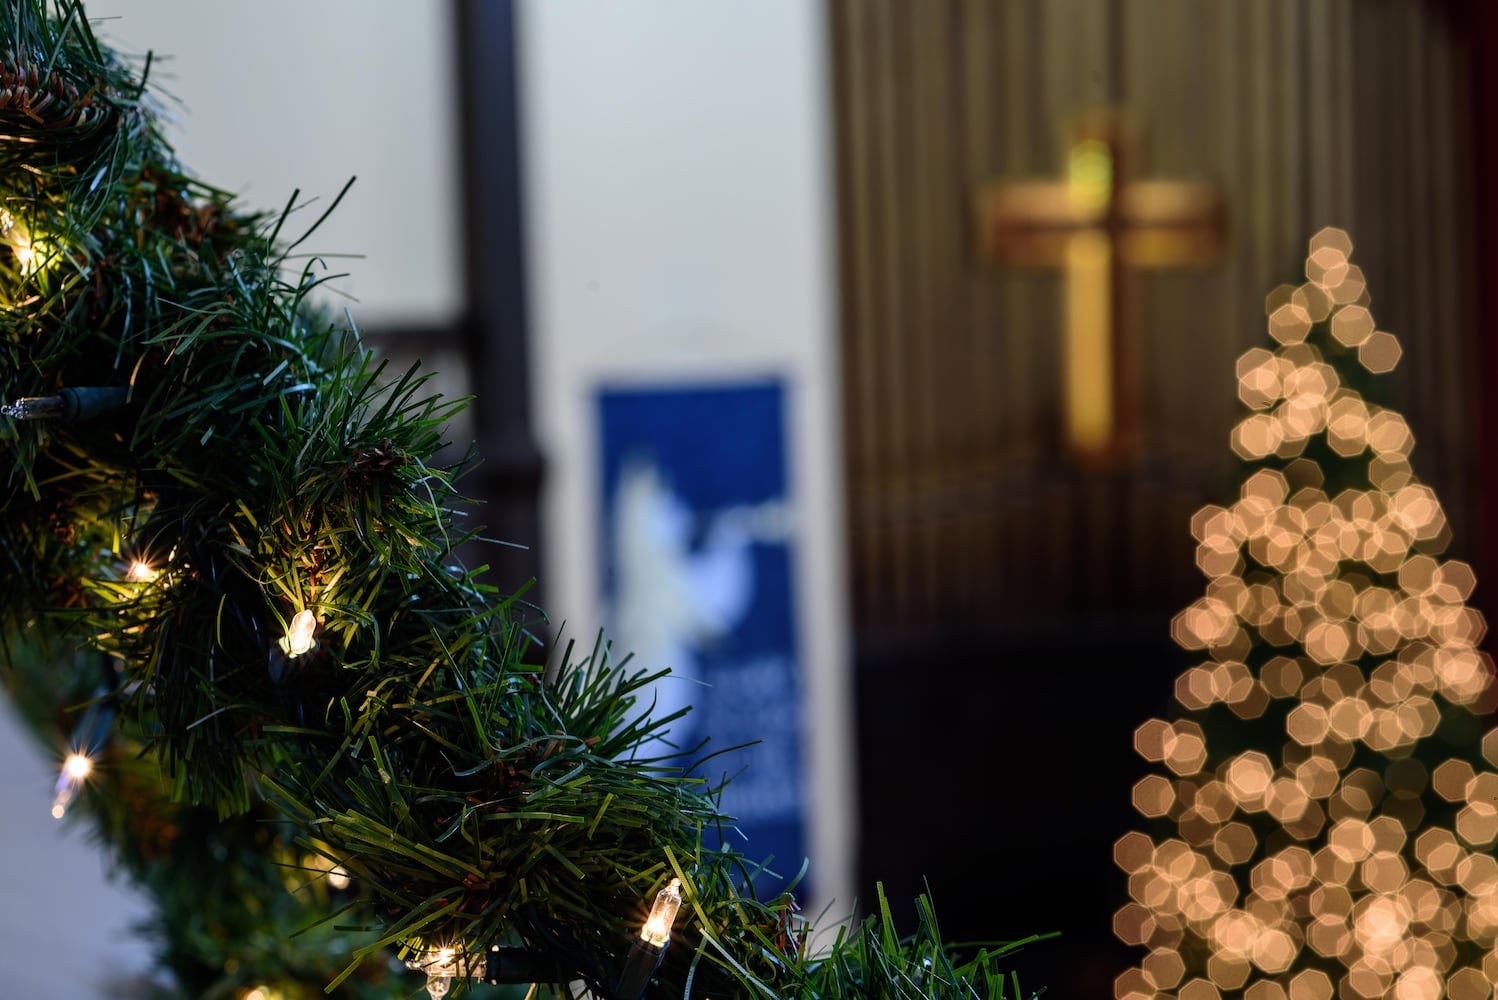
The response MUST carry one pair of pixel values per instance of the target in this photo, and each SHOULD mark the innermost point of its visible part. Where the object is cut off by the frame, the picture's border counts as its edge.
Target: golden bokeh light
(1331, 236)
(1313, 300)
(1312, 984)
(1468, 984)
(1327, 266)
(1316, 839)
(1352, 326)
(1353, 288)
(1154, 795)
(1380, 352)
(1200, 989)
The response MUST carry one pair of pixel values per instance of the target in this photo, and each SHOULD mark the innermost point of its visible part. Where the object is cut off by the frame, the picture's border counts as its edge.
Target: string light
(71, 404)
(443, 964)
(657, 929)
(25, 255)
(298, 638)
(88, 739)
(646, 953)
(440, 966)
(76, 768)
(15, 236)
(141, 572)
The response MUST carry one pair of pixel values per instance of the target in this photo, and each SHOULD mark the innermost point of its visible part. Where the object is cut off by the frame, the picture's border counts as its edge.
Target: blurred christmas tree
(1332, 799)
(231, 587)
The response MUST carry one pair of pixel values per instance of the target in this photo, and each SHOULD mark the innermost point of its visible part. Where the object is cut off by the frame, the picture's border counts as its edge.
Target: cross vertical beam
(1096, 225)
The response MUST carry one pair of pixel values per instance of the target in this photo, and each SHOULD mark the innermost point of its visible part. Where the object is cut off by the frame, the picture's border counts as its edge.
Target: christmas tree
(232, 589)
(1330, 802)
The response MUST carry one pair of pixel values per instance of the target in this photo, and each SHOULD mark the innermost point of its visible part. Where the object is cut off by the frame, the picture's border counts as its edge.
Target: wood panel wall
(964, 511)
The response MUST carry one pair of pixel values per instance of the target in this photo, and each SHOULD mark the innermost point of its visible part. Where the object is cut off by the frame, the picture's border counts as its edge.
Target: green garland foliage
(263, 464)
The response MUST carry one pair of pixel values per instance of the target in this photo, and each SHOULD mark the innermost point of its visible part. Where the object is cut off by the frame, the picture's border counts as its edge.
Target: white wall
(678, 176)
(67, 929)
(276, 95)
(283, 95)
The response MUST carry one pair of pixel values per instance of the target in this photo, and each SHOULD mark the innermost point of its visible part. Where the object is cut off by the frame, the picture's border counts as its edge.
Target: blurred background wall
(677, 171)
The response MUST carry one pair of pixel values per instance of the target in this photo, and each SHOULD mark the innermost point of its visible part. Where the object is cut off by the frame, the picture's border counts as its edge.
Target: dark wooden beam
(495, 327)
(1478, 24)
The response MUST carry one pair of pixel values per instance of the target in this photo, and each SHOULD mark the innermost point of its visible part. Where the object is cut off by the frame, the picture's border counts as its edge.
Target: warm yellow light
(1090, 175)
(298, 638)
(657, 929)
(440, 967)
(22, 247)
(1280, 848)
(78, 766)
(339, 878)
(141, 572)
(25, 253)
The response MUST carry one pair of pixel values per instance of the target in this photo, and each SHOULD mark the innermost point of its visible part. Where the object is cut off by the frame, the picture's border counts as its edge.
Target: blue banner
(697, 540)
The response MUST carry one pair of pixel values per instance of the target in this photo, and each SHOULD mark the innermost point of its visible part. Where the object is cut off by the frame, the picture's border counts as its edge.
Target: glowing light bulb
(440, 966)
(77, 766)
(298, 638)
(657, 929)
(339, 877)
(22, 247)
(141, 572)
(75, 770)
(25, 255)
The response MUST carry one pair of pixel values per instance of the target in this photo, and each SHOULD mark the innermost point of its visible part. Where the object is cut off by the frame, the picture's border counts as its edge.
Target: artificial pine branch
(270, 476)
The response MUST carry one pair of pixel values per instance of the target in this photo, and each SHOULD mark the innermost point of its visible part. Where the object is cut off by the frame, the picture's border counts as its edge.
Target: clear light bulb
(440, 966)
(298, 638)
(75, 770)
(657, 929)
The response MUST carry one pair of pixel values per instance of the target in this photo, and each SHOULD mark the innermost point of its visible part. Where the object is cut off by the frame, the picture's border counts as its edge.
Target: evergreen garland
(199, 460)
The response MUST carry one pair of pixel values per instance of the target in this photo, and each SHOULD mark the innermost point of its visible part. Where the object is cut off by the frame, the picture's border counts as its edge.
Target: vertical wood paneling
(961, 507)
(855, 75)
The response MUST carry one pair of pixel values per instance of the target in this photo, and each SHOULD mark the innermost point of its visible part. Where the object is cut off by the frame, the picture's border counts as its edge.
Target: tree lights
(1328, 805)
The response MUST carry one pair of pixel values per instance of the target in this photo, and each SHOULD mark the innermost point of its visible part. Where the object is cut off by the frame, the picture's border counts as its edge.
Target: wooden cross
(1096, 223)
